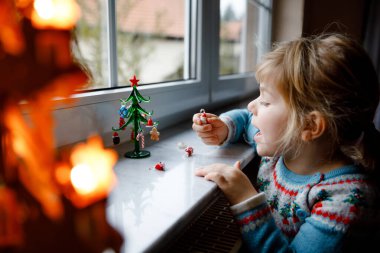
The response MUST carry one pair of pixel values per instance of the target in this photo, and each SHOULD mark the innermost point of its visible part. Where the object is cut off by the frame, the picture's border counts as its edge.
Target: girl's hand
(231, 180)
(213, 133)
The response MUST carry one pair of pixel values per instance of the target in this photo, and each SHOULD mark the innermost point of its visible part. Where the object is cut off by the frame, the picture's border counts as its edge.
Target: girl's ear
(315, 126)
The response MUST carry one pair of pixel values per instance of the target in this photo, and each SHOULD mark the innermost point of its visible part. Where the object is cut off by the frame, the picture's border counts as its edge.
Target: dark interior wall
(347, 16)
(372, 35)
(287, 19)
(357, 18)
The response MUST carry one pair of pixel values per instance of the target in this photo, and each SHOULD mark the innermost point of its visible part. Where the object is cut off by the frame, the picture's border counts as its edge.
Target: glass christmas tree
(135, 115)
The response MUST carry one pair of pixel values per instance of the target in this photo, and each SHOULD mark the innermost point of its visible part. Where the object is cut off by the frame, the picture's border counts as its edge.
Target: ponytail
(366, 149)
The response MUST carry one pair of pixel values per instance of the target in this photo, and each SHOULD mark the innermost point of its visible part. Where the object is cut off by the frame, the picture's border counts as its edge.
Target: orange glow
(60, 14)
(27, 143)
(62, 174)
(92, 174)
(11, 37)
(22, 3)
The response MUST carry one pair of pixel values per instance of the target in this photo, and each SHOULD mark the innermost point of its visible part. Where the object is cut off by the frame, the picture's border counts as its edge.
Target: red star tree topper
(134, 81)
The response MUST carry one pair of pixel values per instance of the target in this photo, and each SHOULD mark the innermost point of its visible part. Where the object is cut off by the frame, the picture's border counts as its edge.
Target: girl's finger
(201, 128)
(200, 172)
(237, 165)
(205, 134)
(196, 117)
(208, 138)
(211, 140)
(216, 177)
(203, 171)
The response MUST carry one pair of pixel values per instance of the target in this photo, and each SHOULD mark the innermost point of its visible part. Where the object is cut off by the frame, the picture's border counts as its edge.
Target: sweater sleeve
(261, 234)
(239, 126)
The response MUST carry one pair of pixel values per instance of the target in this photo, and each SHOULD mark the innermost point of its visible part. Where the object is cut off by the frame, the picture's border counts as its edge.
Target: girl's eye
(264, 103)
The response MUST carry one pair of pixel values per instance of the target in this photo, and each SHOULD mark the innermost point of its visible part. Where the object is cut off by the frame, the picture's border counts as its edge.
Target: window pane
(240, 40)
(90, 47)
(151, 39)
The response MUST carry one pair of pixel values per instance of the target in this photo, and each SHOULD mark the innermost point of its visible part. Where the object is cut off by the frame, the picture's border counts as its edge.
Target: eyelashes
(264, 103)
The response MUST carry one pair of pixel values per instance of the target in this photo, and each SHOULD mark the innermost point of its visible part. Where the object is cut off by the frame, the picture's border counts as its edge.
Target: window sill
(150, 207)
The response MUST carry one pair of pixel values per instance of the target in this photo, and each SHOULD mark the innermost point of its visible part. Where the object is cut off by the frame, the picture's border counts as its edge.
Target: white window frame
(172, 102)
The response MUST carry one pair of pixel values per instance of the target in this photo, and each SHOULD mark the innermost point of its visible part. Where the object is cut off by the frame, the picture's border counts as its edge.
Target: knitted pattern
(304, 212)
(256, 218)
(332, 201)
(300, 213)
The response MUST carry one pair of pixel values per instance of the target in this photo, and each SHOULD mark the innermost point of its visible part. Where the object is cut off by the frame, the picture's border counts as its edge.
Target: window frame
(97, 111)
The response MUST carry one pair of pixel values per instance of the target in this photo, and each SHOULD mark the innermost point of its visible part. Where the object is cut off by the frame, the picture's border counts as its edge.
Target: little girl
(312, 127)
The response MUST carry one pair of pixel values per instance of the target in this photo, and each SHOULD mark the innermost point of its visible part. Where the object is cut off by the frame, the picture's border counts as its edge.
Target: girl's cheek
(252, 107)
(254, 121)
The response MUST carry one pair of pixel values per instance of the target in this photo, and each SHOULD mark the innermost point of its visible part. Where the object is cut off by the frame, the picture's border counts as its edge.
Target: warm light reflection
(25, 146)
(44, 8)
(37, 67)
(83, 179)
(61, 14)
(92, 174)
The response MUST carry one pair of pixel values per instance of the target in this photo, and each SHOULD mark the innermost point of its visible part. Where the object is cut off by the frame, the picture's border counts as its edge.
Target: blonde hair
(331, 74)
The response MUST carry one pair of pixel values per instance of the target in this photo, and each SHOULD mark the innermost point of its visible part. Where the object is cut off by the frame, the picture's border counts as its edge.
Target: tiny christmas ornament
(121, 123)
(135, 115)
(154, 134)
(160, 166)
(140, 137)
(203, 117)
(123, 111)
(149, 123)
(115, 138)
(189, 151)
(181, 145)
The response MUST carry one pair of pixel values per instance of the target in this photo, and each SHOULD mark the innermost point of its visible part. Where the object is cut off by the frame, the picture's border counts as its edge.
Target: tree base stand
(137, 155)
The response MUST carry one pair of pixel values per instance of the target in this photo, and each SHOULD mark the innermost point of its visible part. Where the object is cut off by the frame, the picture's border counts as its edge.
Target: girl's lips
(257, 136)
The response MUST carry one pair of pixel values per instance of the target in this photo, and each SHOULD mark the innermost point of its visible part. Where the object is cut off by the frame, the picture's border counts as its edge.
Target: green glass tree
(136, 116)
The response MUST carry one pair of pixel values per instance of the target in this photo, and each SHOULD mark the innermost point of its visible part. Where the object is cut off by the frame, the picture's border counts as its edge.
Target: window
(149, 41)
(183, 52)
(91, 42)
(242, 39)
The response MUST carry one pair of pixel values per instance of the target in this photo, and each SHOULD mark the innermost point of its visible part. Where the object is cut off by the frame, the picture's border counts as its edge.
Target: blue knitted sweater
(300, 213)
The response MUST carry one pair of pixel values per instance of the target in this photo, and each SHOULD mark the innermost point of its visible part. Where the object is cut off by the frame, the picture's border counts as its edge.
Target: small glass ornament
(123, 111)
(149, 123)
(189, 151)
(160, 166)
(115, 138)
(154, 134)
(203, 117)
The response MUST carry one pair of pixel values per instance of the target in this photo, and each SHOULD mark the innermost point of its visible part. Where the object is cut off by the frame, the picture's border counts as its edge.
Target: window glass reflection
(239, 36)
(151, 40)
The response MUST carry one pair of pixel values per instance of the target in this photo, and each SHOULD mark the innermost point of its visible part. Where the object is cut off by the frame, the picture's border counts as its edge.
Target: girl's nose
(252, 107)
